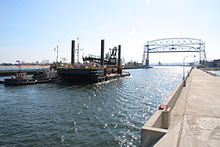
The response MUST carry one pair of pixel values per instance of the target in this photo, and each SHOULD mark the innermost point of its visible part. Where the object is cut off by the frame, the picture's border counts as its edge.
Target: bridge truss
(172, 45)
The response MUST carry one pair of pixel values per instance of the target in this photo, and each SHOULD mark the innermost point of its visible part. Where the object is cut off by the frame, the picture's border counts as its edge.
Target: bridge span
(174, 45)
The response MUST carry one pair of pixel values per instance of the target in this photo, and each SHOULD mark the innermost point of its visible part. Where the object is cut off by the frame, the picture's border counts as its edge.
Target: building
(217, 63)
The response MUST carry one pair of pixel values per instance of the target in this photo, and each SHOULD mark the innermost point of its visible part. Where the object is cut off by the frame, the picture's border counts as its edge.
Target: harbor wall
(156, 127)
(13, 72)
(213, 74)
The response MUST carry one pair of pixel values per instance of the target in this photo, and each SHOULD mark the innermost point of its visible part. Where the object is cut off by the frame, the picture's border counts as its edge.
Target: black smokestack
(73, 53)
(119, 60)
(102, 52)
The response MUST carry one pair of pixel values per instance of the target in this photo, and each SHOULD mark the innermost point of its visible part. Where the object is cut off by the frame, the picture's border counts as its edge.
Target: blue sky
(30, 29)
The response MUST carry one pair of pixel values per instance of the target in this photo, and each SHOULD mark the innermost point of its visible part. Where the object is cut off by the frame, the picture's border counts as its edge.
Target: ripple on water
(104, 114)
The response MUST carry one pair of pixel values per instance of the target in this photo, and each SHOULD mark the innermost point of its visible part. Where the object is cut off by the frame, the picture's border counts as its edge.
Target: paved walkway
(195, 118)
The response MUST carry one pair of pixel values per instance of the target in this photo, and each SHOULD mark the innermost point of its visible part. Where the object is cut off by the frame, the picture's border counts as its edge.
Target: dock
(13, 72)
(116, 76)
(136, 67)
(192, 117)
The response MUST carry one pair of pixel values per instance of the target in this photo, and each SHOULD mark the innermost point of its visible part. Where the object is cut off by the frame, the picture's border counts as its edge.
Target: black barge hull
(82, 75)
(16, 82)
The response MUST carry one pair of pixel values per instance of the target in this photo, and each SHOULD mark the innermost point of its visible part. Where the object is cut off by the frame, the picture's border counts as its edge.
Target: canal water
(217, 72)
(104, 114)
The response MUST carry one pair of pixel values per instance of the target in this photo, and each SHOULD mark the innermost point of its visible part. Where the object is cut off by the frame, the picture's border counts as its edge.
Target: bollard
(184, 83)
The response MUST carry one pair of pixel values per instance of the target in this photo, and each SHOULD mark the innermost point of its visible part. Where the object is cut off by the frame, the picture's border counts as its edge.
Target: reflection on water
(104, 114)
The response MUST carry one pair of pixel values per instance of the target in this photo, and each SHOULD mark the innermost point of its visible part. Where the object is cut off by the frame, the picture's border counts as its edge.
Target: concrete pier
(194, 119)
(13, 72)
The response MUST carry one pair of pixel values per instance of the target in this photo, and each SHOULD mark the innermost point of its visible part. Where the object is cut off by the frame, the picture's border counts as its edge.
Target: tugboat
(45, 76)
(22, 78)
(94, 69)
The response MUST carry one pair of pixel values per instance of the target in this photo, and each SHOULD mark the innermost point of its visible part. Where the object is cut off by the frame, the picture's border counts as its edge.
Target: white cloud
(148, 2)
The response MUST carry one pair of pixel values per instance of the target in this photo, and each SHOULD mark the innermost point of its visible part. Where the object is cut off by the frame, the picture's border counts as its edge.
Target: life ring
(162, 107)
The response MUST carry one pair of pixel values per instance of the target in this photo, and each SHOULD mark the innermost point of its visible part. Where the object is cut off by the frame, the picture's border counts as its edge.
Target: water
(104, 114)
(215, 72)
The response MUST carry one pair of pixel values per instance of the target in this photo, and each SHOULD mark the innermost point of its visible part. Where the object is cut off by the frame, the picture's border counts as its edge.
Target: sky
(30, 29)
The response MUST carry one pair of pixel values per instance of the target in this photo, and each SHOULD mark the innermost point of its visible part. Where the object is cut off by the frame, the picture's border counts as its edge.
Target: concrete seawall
(194, 119)
(156, 127)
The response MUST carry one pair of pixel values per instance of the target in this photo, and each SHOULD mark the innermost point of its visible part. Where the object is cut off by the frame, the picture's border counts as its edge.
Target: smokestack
(73, 53)
(102, 52)
(119, 71)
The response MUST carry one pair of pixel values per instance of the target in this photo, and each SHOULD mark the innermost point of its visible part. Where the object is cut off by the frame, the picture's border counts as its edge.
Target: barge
(94, 69)
(82, 75)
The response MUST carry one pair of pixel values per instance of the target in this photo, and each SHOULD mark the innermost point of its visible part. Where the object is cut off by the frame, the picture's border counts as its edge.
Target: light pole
(184, 80)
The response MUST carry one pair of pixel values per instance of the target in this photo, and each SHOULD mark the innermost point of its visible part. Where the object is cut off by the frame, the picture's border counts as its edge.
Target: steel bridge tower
(171, 45)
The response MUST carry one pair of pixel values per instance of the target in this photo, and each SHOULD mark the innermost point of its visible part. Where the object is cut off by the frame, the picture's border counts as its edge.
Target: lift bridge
(174, 45)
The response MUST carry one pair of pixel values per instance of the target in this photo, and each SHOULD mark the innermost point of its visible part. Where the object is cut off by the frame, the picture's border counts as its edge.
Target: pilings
(119, 70)
(73, 52)
(102, 52)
